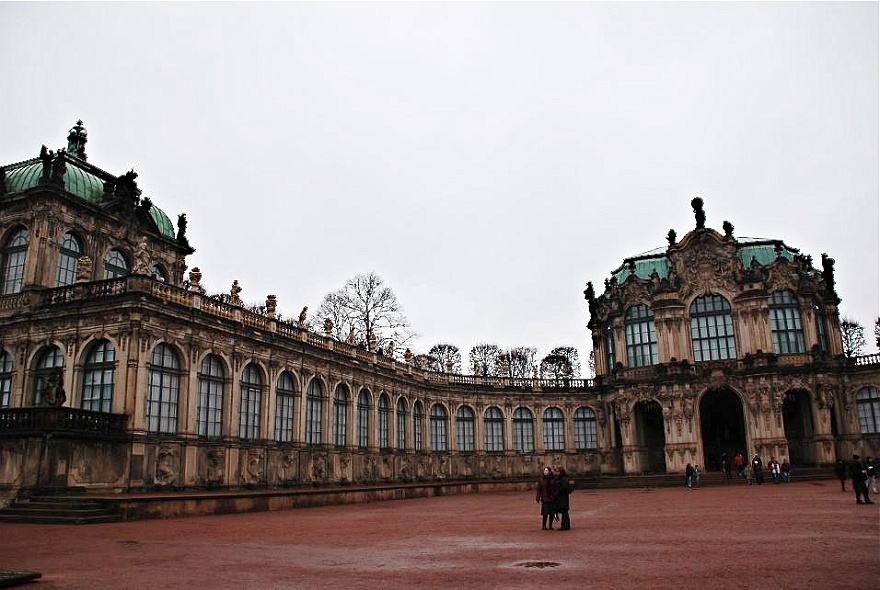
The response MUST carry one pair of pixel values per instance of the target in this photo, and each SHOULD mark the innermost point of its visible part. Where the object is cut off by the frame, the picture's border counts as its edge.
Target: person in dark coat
(563, 491)
(859, 480)
(840, 473)
(545, 494)
(757, 467)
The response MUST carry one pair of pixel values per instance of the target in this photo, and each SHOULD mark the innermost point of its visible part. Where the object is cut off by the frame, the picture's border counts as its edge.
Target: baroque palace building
(118, 373)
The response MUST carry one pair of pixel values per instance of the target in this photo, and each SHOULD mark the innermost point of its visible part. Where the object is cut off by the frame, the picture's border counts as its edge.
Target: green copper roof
(644, 267)
(162, 222)
(764, 253)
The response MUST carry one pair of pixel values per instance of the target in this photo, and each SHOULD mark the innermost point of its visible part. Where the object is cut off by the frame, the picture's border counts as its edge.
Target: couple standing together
(552, 493)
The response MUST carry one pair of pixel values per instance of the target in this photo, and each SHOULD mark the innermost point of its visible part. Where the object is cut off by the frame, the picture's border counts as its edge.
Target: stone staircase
(59, 509)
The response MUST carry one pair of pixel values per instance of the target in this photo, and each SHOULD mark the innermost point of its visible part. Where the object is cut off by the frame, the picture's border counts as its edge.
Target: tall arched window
(163, 390)
(785, 323)
(641, 336)
(115, 265)
(384, 422)
(314, 412)
(363, 419)
(99, 371)
(68, 256)
(554, 430)
(464, 429)
(251, 403)
(418, 425)
(402, 418)
(439, 437)
(340, 415)
(610, 357)
(523, 431)
(493, 426)
(209, 416)
(49, 367)
(5, 379)
(585, 429)
(868, 403)
(159, 273)
(712, 329)
(285, 399)
(14, 258)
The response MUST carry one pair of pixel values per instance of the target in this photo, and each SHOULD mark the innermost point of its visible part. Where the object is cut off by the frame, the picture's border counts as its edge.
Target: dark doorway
(723, 427)
(651, 437)
(798, 422)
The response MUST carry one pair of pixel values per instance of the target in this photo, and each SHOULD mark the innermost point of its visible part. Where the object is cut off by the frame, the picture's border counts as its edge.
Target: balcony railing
(52, 420)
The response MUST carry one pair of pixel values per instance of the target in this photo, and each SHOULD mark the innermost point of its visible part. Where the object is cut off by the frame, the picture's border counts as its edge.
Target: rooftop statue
(699, 214)
(670, 237)
(3, 189)
(828, 271)
(728, 230)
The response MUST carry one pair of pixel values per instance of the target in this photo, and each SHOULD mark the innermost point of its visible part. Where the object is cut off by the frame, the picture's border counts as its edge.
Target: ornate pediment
(705, 263)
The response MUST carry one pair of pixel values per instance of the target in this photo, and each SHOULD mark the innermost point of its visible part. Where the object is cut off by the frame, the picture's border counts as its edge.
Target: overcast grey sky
(486, 160)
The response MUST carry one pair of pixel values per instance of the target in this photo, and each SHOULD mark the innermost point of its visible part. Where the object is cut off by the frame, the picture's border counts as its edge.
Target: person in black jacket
(545, 493)
(859, 479)
(563, 491)
(757, 467)
(840, 473)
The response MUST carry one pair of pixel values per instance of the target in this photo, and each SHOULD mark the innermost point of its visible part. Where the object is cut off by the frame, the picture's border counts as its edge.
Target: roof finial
(699, 214)
(76, 140)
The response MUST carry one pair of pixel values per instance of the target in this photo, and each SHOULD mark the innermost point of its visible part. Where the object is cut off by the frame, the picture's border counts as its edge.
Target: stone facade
(167, 388)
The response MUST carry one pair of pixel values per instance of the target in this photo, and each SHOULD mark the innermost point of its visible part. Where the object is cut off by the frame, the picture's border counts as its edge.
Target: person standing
(871, 472)
(786, 470)
(545, 494)
(740, 463)
(725, 466)
(840, 473)
(563, 491)
(859, 477)
(697, 475)
(757, 469)
(689, 476)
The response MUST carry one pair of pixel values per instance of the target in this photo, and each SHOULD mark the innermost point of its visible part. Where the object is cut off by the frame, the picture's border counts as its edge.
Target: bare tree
(562, 362)
(425, 362)
(484, 359)
(517, 362)
(366, 310)
(853, 336)
(448, 358)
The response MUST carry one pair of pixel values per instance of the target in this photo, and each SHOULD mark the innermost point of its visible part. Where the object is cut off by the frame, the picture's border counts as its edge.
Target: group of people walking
(552, 492)
(863, 475)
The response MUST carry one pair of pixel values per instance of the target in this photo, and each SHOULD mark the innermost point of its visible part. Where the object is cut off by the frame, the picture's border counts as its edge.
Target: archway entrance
(651, 437)
(797, 418)
(723, 427)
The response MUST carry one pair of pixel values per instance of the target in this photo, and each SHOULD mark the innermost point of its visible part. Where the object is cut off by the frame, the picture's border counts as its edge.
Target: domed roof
(80, 178)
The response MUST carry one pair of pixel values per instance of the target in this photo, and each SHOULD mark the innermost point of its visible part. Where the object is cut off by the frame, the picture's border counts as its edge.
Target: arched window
(250, 411)
(14, 257)
(554, 430)
(418, 425)
(641, 336)
(69, 252)
(285, 397)
(158, 272)
(868, 402)
(402, 417)
(99, 371)
(163, 390)
(493, 425)
(610, 357)
(384, 423)
(712, 329)
(585, 429)
(523, 431)
(115, 265)
(439, 441)
(5, 379)
(314, 412)
(464, 429)
(48, 369)
(785, 323)
(209, 417)
(340, 415)
(363, 419)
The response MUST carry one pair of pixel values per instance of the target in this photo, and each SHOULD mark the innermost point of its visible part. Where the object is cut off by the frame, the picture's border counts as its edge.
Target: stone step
(59, 510)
